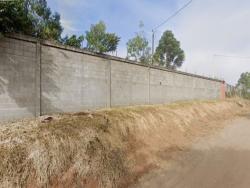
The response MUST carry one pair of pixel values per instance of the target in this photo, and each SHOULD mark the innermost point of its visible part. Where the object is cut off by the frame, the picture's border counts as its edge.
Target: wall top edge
(105, 56)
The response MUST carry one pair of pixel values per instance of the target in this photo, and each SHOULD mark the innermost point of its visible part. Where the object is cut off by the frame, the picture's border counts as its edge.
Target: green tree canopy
(244, 84)
(137, 47)
(73, 41)
(244, 80)
(98, 40)
(14, 17)
(168, 53)
(31, 17)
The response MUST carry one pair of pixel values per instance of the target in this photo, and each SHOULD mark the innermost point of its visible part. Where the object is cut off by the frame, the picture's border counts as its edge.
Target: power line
(169, 18)
(173, 15)
(231, 56)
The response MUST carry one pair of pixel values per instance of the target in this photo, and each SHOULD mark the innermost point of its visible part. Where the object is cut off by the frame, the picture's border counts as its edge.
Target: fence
(41, 77)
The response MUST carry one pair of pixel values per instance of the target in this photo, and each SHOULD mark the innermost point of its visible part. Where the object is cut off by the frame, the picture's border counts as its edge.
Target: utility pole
(153, 45)
(169, 18)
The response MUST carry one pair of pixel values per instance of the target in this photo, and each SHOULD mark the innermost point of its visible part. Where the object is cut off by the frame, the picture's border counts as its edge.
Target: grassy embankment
(105, 148)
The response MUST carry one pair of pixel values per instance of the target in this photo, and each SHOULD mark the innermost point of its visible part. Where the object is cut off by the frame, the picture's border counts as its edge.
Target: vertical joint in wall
(38, 80)
(149, 69)
(109, 103)
(110, 80)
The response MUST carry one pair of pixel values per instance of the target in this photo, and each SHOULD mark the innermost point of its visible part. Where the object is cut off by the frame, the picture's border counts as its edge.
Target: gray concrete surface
(17, 79)
(129, 84)
(221, 160)
(73, 81)
(167, 87)
(40, 77)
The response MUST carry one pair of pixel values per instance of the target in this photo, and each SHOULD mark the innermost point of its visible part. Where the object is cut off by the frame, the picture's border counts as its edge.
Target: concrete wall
(17, 78)
(129, 84)
(167, 87)
(73, 81)
(40, 77)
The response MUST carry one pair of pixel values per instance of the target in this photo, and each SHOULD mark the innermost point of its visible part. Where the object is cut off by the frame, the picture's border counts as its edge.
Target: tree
(137, 47)
(168, 53)
(73, 41)
(244, 84)
(98, 40)
(31, 17)
(14, 17)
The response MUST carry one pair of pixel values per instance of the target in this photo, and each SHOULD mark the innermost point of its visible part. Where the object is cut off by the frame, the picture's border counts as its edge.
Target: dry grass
(105, 148)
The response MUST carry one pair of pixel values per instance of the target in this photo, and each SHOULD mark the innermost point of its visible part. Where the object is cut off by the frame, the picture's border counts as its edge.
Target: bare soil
(221, 160)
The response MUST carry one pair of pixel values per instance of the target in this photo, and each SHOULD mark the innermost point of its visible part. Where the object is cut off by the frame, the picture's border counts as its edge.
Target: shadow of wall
(19, 89)
(61, 80)
(50, 91)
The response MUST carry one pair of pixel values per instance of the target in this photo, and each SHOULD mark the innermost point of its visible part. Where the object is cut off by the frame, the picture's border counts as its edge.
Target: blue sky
(121, 16)
(205, 28)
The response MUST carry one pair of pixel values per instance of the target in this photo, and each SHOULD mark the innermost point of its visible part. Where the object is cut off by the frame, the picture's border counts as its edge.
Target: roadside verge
(105, 148)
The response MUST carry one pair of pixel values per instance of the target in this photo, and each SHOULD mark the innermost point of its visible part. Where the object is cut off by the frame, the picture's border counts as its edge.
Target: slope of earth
(105, 148)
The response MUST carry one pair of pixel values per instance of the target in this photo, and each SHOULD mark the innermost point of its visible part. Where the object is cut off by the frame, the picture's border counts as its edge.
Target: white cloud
(205, 28)
(68, 26)
(70, 11)
(122, 51)
(216, 27)
(73, 3)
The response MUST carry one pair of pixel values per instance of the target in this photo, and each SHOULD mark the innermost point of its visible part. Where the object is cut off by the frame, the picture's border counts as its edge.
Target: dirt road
(221, 160)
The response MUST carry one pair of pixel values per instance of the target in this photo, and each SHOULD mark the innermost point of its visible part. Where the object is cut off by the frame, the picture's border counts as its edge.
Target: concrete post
(38, 80)
(109, 84)
(149, 70)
